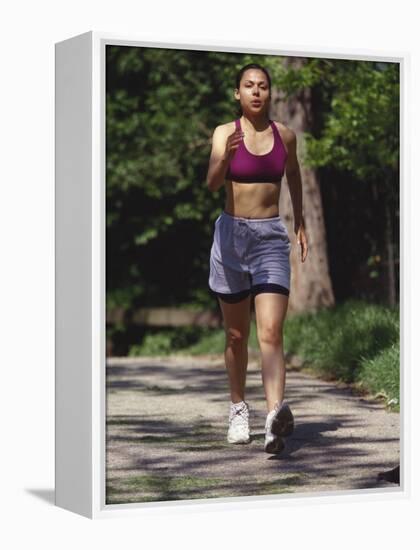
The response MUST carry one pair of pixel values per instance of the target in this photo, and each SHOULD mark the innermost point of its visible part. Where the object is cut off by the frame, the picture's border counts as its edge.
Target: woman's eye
(250, 86)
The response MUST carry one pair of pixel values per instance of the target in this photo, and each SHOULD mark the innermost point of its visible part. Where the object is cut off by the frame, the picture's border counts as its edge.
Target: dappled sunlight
(167, 424)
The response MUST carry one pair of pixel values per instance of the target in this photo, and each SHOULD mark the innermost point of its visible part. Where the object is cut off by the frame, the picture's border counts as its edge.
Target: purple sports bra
(245, 167)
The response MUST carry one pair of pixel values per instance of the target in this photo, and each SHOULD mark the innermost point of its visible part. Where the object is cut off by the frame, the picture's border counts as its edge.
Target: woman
(251, 247)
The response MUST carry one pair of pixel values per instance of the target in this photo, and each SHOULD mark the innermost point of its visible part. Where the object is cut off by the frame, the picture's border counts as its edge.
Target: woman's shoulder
(221, 134)
(222, 131)
(287, 134)
(227, 127)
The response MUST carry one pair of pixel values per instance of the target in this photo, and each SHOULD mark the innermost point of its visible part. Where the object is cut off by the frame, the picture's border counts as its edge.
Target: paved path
(167, 423)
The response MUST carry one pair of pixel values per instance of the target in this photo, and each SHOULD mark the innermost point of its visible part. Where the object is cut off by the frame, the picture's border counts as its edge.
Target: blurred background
(162, 106)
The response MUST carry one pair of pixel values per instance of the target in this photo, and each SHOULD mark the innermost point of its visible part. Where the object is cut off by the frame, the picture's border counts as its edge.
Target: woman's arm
(219, 161)
(295, 188)
(294, 179)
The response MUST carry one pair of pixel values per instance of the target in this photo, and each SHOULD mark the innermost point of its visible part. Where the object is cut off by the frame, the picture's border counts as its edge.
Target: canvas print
(252, 274)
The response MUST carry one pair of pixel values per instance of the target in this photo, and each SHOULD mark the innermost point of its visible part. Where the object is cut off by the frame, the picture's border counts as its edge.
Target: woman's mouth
(256, 103)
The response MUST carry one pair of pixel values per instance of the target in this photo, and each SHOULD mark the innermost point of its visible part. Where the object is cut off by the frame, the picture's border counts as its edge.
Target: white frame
(80, 279)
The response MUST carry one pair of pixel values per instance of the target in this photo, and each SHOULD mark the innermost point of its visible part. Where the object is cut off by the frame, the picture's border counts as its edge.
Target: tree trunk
(311, 287)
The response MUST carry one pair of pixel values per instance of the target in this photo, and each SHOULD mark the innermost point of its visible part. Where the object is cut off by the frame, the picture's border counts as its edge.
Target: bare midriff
(252, 200)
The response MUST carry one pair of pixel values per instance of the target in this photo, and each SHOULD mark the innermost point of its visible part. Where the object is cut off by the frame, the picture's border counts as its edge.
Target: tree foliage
(361, 130)
(162, 106)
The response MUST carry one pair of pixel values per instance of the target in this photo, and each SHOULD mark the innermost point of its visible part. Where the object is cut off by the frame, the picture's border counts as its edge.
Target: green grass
(186, 340)
(191, 340)
(354, 342)
(149, 488)
(381, 375)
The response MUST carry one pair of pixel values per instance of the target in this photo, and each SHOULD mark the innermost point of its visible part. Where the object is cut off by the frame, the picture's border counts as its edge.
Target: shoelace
(240, 415)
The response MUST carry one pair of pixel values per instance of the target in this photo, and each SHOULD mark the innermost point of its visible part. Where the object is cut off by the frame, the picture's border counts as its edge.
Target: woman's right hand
(232, 142)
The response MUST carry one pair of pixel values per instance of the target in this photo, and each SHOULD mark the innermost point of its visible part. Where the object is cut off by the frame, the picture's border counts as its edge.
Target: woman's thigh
(270, 312)
(236, 318)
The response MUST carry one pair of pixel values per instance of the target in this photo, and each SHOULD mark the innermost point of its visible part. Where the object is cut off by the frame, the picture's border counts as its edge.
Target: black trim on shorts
(233, 298)
(269, 287)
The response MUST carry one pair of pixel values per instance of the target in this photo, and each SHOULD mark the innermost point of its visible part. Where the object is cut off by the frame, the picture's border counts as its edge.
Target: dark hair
(239, 78)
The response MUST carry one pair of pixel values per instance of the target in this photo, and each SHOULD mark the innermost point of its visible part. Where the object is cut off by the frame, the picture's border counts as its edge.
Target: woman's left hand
(302, 241)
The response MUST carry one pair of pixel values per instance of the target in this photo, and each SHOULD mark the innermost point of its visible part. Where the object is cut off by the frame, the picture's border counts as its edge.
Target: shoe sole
(238, 442)
(283, 422)
(275, 446)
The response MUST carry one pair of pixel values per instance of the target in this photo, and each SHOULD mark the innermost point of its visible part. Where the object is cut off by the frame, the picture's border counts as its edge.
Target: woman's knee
(236, 338)
(271, 334)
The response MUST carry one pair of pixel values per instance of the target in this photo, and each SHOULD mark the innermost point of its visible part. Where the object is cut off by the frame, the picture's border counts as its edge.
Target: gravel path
(167, 423)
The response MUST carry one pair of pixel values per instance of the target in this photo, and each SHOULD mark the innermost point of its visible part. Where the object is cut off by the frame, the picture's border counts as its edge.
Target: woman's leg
(236, 319)
(270, 312)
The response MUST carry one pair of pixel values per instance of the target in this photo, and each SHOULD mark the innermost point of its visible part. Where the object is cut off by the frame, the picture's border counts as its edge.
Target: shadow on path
(166, 435)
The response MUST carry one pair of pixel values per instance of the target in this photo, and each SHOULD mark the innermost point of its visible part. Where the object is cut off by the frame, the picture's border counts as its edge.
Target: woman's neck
(259, 122)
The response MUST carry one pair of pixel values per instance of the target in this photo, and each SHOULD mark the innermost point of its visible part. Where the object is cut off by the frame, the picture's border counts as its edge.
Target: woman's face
(254, 92)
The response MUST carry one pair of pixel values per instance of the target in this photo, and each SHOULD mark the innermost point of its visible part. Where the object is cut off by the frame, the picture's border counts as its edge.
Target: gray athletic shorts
(249, 256)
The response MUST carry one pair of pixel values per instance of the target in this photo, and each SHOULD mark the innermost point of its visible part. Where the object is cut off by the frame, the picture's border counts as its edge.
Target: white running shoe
(239, 423)
(279, 423)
